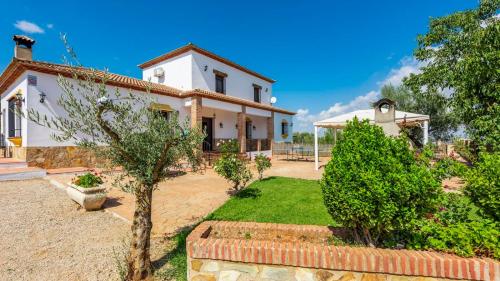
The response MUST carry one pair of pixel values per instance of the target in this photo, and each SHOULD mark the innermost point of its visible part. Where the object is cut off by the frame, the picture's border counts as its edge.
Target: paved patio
(186, 199)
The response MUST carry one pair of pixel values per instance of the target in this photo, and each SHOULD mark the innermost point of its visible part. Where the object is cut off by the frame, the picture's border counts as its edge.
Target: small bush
(448, 167)
(374, 185)
(231, 167)
(263, 163)
(457, 228)
(88, 180)
(467, 151)
(465, 239)
(483, 184)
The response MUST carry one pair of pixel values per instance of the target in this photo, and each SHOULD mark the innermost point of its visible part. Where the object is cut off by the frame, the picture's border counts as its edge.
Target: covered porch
(253, 128)
(399, 118)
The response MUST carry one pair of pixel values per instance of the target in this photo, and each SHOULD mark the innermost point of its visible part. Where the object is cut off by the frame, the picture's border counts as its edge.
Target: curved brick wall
(381, 263)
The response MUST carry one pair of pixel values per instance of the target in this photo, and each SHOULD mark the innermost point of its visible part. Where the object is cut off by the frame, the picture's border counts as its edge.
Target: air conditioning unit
(159, 72)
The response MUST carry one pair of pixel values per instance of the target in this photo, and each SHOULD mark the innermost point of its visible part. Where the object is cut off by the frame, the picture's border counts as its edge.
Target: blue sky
(328, 57)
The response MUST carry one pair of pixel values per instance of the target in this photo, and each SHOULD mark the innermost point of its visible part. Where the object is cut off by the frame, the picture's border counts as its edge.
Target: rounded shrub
(374, 184)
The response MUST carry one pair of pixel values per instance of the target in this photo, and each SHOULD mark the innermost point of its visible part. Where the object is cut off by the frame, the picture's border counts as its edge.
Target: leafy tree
(374, 185)
(303, 137)
(442, 120)
(461, 55)
(127, 132)
(308, 138)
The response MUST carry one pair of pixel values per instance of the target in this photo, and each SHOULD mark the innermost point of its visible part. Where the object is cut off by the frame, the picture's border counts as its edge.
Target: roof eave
(235, 100)
(9, 74)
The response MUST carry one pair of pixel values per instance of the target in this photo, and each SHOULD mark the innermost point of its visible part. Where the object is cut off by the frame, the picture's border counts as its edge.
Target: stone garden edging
(212, 259)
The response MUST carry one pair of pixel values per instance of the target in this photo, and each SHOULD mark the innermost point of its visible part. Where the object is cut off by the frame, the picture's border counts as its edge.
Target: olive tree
(129, 133)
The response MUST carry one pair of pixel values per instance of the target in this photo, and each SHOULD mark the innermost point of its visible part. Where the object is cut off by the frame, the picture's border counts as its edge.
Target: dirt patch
(46, 237)
(327, 236)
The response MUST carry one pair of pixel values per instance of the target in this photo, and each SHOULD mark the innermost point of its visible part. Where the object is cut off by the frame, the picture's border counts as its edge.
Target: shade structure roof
(341, 120)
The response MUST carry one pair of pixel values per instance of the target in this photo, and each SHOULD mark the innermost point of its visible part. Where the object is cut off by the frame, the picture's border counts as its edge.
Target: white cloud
(50, 26)
(395, 77)
(28, 27)
(304, 118)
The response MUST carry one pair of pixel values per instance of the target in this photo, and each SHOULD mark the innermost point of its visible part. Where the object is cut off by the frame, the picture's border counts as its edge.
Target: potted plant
(87, 190)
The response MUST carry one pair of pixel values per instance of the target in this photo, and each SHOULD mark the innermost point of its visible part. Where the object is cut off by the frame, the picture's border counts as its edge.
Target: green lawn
(278, 200)
(275, 199)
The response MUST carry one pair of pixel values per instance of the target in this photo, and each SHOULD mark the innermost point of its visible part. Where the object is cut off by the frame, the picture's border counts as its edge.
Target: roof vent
(23, 49)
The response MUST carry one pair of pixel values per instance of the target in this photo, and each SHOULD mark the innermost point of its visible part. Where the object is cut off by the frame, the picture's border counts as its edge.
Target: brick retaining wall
(260, 259)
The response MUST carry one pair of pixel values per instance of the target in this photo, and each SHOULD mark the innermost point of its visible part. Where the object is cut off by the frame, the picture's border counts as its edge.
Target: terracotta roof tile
(17, 67)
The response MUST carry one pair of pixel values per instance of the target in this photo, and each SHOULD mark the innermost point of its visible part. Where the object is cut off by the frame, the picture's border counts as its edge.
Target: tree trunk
(139, 261)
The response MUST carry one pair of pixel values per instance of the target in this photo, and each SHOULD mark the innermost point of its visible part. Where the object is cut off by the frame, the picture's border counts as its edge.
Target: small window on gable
(220, 81)
(284, 128)
(257, 93)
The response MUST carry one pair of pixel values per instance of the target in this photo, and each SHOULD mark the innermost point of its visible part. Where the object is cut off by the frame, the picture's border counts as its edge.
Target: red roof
(17, 67)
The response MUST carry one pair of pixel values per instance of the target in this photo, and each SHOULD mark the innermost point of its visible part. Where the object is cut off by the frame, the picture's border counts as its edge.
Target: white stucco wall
(40, 136)
(178, 72)
(187, 72)
(229, 120)
(238, 83)
(260, 124)
(278, 118)
(221, 105)
(21, 84)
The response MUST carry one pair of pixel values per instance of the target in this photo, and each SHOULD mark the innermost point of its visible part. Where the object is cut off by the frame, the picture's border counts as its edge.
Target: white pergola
(403, 119)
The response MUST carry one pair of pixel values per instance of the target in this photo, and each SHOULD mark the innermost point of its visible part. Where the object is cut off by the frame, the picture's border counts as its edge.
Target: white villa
(228, 100)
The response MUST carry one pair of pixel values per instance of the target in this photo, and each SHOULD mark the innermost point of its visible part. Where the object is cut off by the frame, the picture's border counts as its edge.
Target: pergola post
(316, 154)
(426, 132)
(335, 136)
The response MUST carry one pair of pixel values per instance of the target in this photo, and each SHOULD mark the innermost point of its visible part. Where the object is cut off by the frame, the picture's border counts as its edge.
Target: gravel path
(44, 236)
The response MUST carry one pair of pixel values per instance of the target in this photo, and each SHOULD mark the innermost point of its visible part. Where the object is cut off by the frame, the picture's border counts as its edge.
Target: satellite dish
(273, 100)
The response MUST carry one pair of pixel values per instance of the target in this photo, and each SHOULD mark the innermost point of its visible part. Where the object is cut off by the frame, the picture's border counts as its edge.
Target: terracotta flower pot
(88, 198)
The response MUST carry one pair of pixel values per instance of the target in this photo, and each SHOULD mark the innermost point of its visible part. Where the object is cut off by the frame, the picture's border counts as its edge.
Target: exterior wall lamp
(42, 97)
(221, 125)
(19, 97)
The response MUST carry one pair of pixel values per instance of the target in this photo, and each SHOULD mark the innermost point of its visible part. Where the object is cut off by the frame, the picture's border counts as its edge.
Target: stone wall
(216, 270)
(61, 157)
(17, 152)
(241, 251)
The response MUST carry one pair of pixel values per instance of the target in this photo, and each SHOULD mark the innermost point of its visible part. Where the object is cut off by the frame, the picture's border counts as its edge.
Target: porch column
(335, 136)
(196, 113)
(242, 133)
(316, 154)
(426, 132)
(270, 131)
